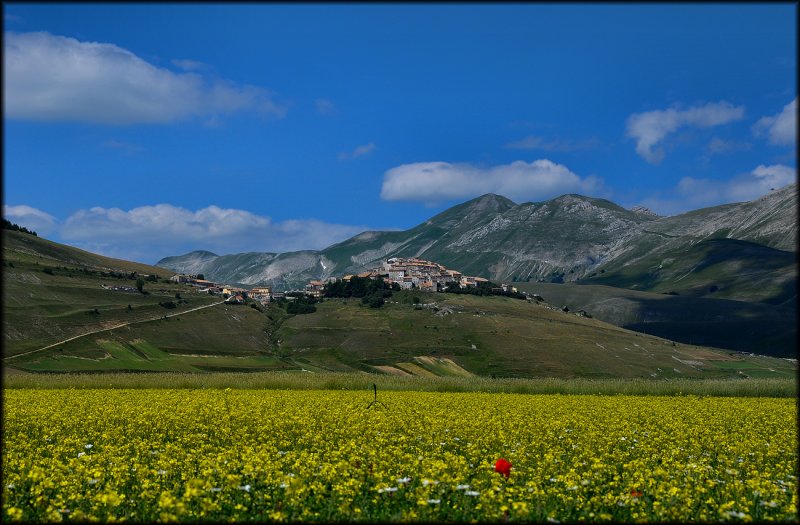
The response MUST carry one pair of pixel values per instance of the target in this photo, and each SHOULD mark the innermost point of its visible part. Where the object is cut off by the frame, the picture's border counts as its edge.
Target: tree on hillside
(8, 225)
(140, 284)
(359, 287)
(302, 304)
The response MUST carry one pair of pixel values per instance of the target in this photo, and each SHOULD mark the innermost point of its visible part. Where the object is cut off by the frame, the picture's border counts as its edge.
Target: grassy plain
(360, 381)
(256, 455)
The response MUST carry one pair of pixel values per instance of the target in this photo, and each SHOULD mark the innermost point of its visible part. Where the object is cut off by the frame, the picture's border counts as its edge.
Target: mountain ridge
(568, 238)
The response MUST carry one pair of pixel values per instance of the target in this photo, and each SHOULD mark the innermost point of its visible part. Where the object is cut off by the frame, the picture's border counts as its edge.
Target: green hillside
(52, 293)
(720, 268)
(760, 328)
(59, 317)
(496, 336)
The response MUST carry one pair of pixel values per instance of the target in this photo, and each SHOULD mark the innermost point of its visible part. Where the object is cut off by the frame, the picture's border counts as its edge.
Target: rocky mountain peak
(644, 211)
(491, 202)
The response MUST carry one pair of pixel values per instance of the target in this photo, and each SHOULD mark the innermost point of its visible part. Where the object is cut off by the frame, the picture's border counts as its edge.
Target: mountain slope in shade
(714, 321)
(569, 238)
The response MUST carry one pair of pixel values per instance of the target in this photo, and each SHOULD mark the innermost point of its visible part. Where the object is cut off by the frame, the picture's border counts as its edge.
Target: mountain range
(743, 251)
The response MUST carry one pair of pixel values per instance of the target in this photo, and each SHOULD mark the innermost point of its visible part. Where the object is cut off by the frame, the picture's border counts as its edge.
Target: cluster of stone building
(234, 294)
(408, 273)
(427, 276)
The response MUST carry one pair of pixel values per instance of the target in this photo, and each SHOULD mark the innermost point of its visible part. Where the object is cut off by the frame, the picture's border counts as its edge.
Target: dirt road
(111, 328)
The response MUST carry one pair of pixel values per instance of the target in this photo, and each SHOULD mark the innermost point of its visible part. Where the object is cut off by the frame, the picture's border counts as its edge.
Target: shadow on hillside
(734, 325)
(728, 264)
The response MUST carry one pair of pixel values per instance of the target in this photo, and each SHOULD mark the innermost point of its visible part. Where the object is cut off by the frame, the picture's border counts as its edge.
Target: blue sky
(146, 130)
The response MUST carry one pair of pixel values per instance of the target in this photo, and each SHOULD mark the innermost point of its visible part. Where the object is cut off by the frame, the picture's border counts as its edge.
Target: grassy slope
(499, 337)
(40, 309)
(485, 336)
(720, 268)
(747, 327)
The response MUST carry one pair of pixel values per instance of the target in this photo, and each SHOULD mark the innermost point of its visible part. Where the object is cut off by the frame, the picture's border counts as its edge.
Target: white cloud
(439, 181)
(692, 193)
(651, 127)
(149, 233)
(775, 176)
(29, 217)
(781, 128)
(717, 145)
(190, 65)
(325, 107)
(533, 142)
(363, 150)
(55, 78)
(358, 152)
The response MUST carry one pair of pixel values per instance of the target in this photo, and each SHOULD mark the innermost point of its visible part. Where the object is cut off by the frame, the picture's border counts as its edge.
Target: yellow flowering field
(237, 455)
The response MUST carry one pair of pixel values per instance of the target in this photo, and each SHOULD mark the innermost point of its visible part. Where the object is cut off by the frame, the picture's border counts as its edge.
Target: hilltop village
(407, 273)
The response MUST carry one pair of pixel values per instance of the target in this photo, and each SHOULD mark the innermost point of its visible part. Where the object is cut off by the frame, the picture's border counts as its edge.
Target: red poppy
(503, 466)
(636, 494)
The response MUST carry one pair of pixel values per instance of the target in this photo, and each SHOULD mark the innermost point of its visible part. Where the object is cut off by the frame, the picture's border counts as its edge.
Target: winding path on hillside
(113, 328)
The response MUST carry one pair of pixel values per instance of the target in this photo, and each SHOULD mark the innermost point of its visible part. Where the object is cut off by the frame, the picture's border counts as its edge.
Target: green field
(361, 381)
(59, 317)
(53, 293)
(497, 336)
